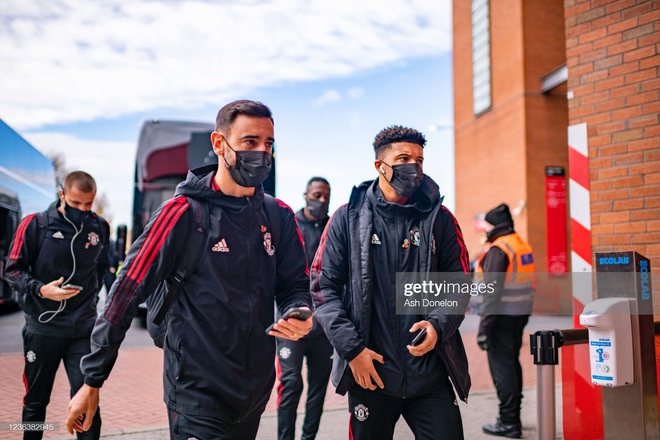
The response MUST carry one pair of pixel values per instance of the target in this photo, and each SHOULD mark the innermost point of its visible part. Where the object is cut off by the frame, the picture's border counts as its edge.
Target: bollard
(544, 346)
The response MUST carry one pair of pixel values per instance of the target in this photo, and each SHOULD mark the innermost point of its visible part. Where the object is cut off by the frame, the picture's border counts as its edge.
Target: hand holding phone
(294, 312)
(419, 338)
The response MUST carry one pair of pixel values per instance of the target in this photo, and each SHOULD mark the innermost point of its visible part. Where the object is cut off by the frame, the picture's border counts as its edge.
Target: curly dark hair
(394, 134)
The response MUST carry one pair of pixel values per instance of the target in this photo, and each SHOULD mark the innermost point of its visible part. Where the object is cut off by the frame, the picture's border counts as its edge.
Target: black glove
(482, 341)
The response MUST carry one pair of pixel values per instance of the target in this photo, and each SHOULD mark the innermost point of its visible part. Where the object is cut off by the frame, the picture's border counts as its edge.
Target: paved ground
(132, 407)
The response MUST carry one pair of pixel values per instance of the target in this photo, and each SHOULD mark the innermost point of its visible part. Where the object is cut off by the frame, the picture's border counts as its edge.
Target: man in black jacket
(216, 377)
(395, 223)
(315, 346)
(57, 262)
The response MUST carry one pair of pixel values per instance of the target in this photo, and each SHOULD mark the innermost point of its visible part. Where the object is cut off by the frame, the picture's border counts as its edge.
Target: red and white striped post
(582, 409)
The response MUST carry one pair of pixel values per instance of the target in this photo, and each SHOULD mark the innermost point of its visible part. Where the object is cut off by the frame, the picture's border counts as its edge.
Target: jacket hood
(199, 185)
(424, 199)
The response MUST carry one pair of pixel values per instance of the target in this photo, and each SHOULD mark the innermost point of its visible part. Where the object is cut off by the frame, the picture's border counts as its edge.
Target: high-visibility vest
(518, 292)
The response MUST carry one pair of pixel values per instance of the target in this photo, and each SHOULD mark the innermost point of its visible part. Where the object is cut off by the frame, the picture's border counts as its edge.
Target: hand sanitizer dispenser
(610, 341)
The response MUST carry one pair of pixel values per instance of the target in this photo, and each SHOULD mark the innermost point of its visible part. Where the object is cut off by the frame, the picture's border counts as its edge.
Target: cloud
(66, 61)
(327, 97)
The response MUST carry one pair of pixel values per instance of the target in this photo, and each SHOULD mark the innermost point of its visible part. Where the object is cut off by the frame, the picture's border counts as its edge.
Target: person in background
(57, 262)
(315, 347)
(509, 266)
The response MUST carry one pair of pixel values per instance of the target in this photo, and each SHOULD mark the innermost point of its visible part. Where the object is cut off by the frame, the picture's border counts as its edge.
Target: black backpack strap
(189, 259)
(42, 227)
(271, 206)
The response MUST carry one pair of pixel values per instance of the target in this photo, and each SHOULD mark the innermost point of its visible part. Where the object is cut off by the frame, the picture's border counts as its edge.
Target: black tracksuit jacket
(218, 358)
(32, 264)
(346, 273)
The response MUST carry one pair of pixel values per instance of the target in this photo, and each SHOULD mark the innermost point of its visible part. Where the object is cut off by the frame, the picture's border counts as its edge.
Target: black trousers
(290, 354)
(504, 344)
(433, 416)
(43, 355)
(186, 427)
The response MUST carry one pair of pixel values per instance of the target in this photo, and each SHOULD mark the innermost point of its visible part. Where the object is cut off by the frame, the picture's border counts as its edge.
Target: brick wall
(613, 59)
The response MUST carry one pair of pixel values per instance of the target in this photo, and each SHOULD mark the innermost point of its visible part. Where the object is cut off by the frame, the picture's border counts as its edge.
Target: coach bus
(27, 185)
(166, 151)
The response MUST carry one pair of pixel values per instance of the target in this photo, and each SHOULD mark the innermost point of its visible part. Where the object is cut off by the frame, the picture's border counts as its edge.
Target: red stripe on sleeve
(317, 263)
(465, 259)
(156, 236)
(19, 237)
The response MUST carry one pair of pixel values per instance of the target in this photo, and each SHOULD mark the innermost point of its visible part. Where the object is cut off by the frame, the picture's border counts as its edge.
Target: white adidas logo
(220, 246)
(375, 239)
(58, 234)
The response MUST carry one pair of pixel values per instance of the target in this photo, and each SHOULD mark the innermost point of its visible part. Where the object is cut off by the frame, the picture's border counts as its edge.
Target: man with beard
(215, 378)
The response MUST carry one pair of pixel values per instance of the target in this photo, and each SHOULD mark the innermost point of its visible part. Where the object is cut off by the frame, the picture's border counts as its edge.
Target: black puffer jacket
(218, 358)
(32, 264)
(343, 281)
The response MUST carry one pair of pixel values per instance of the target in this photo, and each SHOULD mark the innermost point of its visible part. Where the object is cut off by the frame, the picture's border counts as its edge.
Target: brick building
(573, 85)
(526, 71)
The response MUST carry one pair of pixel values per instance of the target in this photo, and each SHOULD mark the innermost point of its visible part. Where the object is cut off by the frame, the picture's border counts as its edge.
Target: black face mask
(406, 178)
(317, 209)
(75, 215)
(251, 168)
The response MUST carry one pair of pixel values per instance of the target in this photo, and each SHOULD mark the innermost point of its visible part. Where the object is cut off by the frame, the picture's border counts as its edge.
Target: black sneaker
(503, 430)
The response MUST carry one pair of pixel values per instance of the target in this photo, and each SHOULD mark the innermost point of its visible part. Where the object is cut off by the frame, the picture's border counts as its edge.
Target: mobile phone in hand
(71, 286)
(419, 338)
(294, 312)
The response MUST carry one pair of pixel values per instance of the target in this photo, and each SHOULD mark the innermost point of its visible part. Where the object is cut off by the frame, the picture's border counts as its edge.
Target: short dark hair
(317, 179)
(394, 134)
(229, 112)
(81, 180)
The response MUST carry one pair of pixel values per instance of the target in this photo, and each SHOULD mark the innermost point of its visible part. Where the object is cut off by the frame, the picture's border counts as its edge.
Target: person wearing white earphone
(57, 261)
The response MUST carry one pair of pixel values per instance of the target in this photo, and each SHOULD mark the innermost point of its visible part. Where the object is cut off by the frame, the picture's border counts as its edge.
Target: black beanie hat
(499, 216)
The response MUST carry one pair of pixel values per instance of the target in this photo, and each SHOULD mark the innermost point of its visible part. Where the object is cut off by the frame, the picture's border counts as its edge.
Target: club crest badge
(361, 412)
(414, 236)
(93, 238)
(285, 352)
(31, 356)
(406, 244)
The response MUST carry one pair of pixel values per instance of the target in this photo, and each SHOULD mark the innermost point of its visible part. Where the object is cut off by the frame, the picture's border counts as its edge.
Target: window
(481, 93)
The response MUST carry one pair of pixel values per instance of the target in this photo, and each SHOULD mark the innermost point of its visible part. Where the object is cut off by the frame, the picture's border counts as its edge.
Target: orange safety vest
(518, 292)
